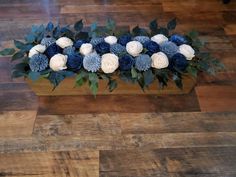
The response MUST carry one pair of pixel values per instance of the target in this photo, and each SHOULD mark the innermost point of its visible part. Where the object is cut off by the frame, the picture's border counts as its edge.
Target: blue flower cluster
(38, 62)
(92, 62)
(143, 62)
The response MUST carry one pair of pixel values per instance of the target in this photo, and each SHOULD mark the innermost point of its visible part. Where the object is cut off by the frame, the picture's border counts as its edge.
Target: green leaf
(7, 51)
(112, 85)
(134, 73)
(172, 24)
(110, 25)
(82, 36)
(93, 77)
(34, 75)
(79, 25)
(93, 83)
(192, 70)
(55, 78)
(193, 34)
(30, 38)
(17, 56)
(178, 81)
(19, 44)
(139, 31)
(148, 77)
(16, 74)
(50, 26)
(163, 31)
(93, 26)
(153, 25)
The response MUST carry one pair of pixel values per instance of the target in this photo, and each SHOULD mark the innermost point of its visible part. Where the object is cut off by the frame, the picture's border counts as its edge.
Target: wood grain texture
(17, 123)
(217, 98)
(50, 164)
(211, 162)
(117, 103)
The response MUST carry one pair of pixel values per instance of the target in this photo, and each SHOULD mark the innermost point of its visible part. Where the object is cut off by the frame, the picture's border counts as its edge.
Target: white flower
(58, 62)
(159, 60)
(134, 48)
(187, 51)
(86, 48)
(159, 38)
(36, 50)
(64, 42)
(110, 63)
(110, 40)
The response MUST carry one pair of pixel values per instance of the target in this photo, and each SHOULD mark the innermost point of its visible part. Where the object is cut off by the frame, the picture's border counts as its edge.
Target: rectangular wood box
(43, 87)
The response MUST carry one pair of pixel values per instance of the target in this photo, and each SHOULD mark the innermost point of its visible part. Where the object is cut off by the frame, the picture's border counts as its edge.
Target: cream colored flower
(110, 63)
(36, 50)
(64, 42)
(187, 51)
(110, 40)
(159, 60)
(58, 62)
(86, 49)
(134, 48)
(159, 38)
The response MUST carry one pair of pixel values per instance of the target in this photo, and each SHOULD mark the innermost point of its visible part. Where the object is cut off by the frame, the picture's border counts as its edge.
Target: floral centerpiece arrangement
(140, 56)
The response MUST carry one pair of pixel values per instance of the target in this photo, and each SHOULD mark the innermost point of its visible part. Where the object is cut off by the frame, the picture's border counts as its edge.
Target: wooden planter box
(44, 88)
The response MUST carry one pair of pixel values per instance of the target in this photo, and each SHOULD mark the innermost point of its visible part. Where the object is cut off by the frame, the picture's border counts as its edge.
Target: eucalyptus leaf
(30, 38)
(7, 51)
(50, 26)
(34, 75)
(153, 25)
(148, 77)
(82, 36)
(19, 44)
(79, 25)
(172, 24)
(16, 74)
(112, 84)
(17, 56)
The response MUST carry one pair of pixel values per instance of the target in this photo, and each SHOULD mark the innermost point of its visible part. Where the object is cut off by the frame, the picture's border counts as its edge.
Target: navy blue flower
(124, 39)
(102, 48)
(74, 61)
(38, 62)
(143, 62)
(169, 48)
(178, 61)
(78, 43)
(126, 62)
(52, 50)
(178, 39)
(152, 47)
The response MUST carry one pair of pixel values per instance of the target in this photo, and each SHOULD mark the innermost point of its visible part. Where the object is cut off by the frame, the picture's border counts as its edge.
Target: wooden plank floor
(121, 136)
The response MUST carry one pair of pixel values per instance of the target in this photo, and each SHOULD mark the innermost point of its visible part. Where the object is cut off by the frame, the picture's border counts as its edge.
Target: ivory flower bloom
(134, 48)
(86, 49)
(159, 38)
(64, 42)
(110, 40)
(58, 62)
(36, 50)
(159, 60)
(187, 51)
(110, 63)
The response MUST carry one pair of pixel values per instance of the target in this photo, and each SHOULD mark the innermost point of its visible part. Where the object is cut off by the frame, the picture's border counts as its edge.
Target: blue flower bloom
(38, 62)
(47, 41)
(102, 48)
(52, 50)
(169, 48)
(92, 62)
(124, 39)
(152, 47)
(178, 61)
(97, 40)
(126, 62)
(143, 62)
(178, 39)
(74, 61)
(142, 39)
(69, 50)
(78, 43)
(117, 49)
